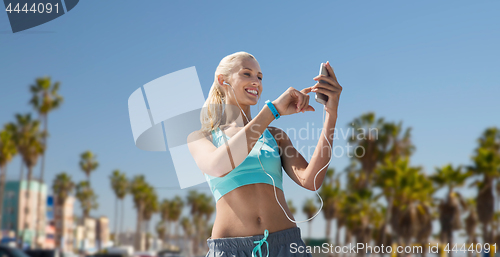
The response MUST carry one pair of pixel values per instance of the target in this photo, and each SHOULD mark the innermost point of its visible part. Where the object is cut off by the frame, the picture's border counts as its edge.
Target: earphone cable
(274, 185)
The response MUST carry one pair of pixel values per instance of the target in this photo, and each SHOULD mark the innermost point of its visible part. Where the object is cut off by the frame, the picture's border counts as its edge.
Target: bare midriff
(249, 210)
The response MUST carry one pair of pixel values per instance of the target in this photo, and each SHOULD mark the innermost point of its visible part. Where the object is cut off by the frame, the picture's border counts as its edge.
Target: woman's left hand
(332, 89)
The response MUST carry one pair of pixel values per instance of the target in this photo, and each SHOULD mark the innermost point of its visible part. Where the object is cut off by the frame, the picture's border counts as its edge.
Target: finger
(299, 99)
(327, 92)
(306, 90)
(310, 109)
(326, 79)
(330, 70)
(321, 83)
(305, 102)
(326, 86)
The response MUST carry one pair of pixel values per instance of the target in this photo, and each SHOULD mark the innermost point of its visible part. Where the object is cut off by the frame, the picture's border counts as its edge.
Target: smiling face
(246, 80)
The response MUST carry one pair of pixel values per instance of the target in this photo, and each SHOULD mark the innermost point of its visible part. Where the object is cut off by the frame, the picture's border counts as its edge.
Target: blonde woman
(242, 158)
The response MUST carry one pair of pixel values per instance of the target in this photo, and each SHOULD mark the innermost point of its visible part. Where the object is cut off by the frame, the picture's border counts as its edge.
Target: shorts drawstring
(260, 243)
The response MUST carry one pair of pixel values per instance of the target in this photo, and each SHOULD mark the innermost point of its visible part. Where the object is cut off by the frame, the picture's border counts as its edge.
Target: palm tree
(449, 214)
(292, 208)
(174, 213)
(160, 229)
(187, 227)
(45, 99)
(164, 216)
(412, 202)
(363, 208)
(206, 211)
(88, 201)
(7, 152)
(139, 189)
(195, 202)
(497, 213)
(393, 144)
(201, 207)
(486, 163)
(366, 145)
(88, 163)
(309, 209)
(328, 192)
(341, 219)
(151, 207)
(387, 176)
(28, 139)
(471, 223)
(119, 184)
(62, 186)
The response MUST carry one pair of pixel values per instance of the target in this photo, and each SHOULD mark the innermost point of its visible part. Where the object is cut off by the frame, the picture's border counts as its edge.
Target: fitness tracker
(273, 109)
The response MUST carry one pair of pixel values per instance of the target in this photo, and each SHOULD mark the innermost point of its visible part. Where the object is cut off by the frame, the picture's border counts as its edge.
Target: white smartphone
(320, 97)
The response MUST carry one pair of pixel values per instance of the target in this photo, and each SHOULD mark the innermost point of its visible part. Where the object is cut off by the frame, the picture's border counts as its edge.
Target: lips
(252, 91)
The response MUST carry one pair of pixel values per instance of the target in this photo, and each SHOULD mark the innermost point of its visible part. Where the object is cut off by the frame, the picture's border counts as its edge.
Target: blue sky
(433, 65)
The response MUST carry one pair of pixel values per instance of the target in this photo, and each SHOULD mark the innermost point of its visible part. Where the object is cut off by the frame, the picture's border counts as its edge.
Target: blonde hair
(211, 114)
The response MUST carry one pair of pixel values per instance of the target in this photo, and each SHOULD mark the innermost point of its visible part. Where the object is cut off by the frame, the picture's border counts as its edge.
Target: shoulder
(278, 134)
(199, 134)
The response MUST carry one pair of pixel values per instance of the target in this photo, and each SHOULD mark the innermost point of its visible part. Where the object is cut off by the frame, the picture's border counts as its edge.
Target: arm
(219, 161)
(296, 166)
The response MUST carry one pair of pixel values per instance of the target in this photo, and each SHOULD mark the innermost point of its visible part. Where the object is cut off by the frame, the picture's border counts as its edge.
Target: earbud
(225, 83)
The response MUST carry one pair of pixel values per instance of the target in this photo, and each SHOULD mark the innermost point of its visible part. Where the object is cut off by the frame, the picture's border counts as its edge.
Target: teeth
(252, 91)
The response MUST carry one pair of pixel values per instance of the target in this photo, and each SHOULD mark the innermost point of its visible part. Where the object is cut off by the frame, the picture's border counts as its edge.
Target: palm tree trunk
(177, 240)
(21, 172)
(347, 235)
(309, 230)
(42, 171)
(328, 227)
(337, 233)
(146, 230)
(138, 232)
(85, 233)
(3, 171)
(197, 235)
(450, 240)
(116, 220)
(486, 238)
(387, 218)
(122, 215)
(168, 232)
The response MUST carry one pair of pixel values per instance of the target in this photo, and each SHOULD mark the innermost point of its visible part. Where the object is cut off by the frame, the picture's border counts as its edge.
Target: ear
(220, 78)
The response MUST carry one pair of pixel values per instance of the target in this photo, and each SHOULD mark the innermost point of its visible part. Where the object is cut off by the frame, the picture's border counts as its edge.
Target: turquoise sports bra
(249, 171)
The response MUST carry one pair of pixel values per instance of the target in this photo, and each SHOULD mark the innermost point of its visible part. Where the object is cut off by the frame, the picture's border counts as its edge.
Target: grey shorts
(282, 243)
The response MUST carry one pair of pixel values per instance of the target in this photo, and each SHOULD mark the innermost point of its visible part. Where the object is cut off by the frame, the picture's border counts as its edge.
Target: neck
(233, 114)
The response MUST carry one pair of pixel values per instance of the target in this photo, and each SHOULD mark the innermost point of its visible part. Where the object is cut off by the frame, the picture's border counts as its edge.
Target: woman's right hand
(293, 101)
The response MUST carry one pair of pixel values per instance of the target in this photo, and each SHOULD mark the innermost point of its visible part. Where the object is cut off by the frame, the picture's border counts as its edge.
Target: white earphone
(274, 185)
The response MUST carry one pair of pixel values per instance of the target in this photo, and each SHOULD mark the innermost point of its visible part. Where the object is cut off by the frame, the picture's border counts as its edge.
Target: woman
(249, 219)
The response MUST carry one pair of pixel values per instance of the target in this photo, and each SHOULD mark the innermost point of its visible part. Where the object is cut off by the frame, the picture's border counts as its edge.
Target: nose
(257, 83)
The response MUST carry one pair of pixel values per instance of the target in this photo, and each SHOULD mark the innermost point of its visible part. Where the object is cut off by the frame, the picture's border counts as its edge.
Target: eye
(260, 78)
(247, 74)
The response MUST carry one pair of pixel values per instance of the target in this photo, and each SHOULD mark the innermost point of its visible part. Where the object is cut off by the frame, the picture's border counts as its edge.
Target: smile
(252, 92)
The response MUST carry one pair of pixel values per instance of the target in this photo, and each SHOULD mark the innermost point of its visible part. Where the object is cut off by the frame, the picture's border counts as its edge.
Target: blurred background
(422, 75)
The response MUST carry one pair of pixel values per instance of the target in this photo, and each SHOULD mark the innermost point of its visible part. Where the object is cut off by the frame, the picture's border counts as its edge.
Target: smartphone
(320, 97)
